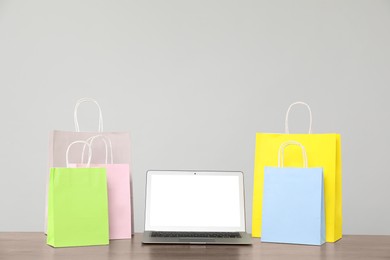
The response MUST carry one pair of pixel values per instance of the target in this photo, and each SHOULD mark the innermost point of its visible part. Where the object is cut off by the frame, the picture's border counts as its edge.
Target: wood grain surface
(17, 246)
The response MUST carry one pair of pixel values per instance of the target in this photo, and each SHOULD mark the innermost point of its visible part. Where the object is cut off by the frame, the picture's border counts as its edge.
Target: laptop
(195, 207)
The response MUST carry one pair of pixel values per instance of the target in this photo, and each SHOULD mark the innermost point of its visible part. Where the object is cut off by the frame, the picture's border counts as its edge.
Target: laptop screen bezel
(149, 227)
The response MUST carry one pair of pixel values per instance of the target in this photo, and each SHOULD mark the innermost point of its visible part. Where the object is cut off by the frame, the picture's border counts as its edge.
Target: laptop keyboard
(197, 234)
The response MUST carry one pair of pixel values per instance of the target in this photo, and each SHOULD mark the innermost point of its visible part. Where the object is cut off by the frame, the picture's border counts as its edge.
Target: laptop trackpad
(197, 240)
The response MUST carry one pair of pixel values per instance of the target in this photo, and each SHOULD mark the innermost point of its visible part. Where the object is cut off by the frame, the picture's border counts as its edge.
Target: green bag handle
(281, 153)
(106, 140)
(76, 107)
(288, 112)
(89, 152)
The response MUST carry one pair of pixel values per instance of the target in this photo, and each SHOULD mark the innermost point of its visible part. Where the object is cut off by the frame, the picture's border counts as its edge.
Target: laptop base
(245, 239)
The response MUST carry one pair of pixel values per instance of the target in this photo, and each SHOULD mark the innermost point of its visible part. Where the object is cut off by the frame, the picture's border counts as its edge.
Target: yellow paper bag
(324, 150)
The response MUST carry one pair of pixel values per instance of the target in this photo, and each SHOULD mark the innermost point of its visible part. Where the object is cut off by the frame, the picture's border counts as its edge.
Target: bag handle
(281, 153)
(288, 112)
(76, 107)
(89, 154)
(105, 139)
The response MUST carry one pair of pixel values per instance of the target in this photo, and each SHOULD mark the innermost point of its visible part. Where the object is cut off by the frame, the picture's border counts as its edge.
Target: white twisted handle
(106, 140)
(76, 107)
(89, 154)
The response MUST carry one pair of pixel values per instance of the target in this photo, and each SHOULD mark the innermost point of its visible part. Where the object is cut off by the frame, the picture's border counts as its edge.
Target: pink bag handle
(106, 140)
(288, 112)
(76, 107)
(281, 153)
(89, 154)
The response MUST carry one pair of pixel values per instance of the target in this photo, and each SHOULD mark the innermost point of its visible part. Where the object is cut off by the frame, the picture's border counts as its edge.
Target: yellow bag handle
(281, 153)
(288, 112)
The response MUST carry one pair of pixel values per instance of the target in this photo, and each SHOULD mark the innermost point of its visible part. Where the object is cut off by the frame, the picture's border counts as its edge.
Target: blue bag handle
(281, 153)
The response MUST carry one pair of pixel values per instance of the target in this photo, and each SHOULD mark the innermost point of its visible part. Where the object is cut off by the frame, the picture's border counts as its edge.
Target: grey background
(193, 81)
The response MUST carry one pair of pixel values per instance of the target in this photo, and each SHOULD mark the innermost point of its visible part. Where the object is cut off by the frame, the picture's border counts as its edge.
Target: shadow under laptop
(161, 252)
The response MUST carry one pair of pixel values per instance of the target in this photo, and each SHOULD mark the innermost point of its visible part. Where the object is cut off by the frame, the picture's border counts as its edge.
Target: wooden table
(16, 246)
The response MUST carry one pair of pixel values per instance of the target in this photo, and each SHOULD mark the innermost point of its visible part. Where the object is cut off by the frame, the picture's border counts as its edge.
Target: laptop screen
(194, 201)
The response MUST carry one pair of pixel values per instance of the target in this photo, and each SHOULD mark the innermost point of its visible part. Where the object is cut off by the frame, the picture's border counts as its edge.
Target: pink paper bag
(119, 205)
(118, 190)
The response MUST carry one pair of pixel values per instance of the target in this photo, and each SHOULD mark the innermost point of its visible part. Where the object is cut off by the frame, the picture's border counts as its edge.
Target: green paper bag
(77, 206)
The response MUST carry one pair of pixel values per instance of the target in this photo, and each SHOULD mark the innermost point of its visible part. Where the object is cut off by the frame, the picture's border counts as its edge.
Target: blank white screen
(195, 202)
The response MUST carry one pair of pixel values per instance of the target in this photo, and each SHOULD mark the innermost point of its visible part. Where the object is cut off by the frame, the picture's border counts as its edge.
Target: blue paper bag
(293, 203)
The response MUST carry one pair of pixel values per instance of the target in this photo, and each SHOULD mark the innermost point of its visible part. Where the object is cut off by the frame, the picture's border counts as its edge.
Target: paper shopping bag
(293, 203)
(77, 207)
(324, 150)
(59, 141)
(118, 185)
